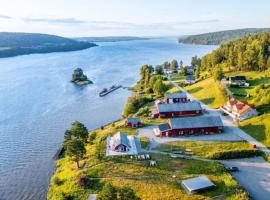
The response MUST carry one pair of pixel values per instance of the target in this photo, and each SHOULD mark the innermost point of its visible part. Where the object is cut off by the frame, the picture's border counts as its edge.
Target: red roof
(240, 106)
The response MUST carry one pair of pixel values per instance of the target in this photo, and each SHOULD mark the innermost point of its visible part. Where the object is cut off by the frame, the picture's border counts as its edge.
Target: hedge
(235, 154)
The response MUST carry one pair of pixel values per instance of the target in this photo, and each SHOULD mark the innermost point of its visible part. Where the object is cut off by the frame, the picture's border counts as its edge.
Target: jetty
(106, 91)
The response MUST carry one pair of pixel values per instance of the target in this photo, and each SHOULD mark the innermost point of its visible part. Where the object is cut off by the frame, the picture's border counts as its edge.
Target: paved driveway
(254, 176)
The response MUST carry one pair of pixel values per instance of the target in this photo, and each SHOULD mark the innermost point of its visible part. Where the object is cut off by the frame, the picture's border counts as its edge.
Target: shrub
(234, 154)
(84, 181)
(58, 181)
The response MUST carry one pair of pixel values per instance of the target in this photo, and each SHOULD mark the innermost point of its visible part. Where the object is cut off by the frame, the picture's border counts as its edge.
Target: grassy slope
(151, 183)
(259, 128)
(209, 92)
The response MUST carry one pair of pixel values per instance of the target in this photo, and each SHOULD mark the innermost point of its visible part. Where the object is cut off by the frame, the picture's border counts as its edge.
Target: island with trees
(79, 78)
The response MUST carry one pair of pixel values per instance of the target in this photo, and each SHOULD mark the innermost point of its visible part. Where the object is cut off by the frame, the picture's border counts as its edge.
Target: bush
(134, 104)
(84, 181)
(57, 181)
(235, 154)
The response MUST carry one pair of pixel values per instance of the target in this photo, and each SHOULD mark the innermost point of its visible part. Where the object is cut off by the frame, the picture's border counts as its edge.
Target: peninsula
(14, 44)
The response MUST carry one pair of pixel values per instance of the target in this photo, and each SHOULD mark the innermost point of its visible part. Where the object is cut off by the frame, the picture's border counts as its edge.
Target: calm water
(38, 103)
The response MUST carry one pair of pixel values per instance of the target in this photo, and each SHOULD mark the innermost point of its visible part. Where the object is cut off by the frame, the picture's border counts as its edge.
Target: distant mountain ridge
(110, 38)
(216, 38)
(14, 44)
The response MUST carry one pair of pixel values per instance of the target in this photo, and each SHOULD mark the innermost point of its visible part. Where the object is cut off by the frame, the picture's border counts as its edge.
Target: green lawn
(209, 92)
(203, 149)
(259, 128)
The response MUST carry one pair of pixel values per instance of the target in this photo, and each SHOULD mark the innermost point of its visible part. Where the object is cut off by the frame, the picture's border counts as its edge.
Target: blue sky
(131, 17)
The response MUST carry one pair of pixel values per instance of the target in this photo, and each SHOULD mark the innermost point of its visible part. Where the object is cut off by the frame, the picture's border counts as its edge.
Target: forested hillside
(13, 44)
(217, 38)
(250, 53)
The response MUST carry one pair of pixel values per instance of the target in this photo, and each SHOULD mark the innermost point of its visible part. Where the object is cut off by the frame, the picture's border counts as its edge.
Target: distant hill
(216, 38)
(14, 44)
(110, 39)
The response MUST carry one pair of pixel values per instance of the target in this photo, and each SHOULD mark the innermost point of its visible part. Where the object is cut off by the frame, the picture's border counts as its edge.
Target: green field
(259, 128)
(209, 92)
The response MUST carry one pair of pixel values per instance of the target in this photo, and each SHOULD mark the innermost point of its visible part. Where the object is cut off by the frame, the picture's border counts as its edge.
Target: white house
(121, 144)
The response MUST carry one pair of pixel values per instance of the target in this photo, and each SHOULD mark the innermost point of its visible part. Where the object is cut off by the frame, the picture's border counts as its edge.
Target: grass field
(209, 92)
(259, 128)
(203, 149)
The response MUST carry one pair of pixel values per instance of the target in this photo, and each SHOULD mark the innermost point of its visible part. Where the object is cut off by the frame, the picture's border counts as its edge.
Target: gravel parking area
(253, 175)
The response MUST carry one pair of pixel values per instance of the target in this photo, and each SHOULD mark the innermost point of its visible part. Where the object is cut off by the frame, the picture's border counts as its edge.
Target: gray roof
(120, 138)
(176, 95)
(196, 122)
(197, 184)
(164, 127)
(192, 105)
(134, 120)
(190, 78)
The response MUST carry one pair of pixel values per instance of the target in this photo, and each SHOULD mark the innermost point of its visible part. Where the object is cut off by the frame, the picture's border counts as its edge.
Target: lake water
(38, 103)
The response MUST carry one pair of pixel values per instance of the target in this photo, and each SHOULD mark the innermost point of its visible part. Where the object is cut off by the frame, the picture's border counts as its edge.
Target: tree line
(250, 53)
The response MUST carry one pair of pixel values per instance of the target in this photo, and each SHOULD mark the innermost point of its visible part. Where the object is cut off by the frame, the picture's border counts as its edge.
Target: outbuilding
(190, 108)
(195, 185)
(190, 126)
(133, 122)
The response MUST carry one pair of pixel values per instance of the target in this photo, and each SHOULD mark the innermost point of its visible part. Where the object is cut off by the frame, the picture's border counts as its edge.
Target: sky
(82, 18)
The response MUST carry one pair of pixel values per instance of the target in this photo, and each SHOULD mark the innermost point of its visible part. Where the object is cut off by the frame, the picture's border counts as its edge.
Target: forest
(216, 38)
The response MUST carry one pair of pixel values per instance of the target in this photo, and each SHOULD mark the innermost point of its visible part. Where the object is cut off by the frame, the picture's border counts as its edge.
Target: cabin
(239, 81)
(190, 126)
(190, 108)
(198, 184)
(133, 122)
(239, 110)
(190, 80)
(176, 98)
(122, 144)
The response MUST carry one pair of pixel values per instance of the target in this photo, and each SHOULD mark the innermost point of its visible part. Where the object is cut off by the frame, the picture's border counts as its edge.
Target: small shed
(133, 122)
(198, 184)
(92, 197)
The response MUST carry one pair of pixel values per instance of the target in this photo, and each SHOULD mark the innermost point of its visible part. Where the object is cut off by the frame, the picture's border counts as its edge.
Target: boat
(106, 91)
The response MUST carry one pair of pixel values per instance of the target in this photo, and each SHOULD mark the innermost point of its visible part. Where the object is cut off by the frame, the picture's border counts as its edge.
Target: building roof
(120, 138)
(189, 106)
(197, 184)
(164, 127)
(240, 106)
(238, 78)
(190, 78)
(196, 122)
(134, 120)
(176, 95)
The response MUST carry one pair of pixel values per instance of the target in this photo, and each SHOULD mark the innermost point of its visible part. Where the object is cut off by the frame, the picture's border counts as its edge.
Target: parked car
(232, 169)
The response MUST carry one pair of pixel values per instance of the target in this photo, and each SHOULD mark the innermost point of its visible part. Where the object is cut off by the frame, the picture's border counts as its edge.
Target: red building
(190, 108)
(190, 126)
(133, 122)
(176, 98)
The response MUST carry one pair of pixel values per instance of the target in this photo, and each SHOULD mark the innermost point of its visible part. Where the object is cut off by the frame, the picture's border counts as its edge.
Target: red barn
(190, 126)
(190, 108)
(133, 122)
(176, 98)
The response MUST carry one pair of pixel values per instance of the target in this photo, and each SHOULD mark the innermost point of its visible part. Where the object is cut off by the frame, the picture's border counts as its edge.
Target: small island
(79, 78)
